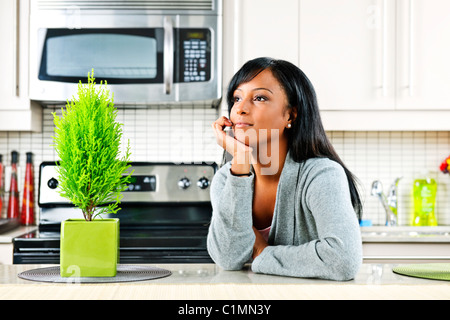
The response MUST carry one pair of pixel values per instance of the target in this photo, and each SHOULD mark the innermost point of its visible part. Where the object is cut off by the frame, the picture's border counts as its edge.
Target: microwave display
(124, 56)
(195, 55)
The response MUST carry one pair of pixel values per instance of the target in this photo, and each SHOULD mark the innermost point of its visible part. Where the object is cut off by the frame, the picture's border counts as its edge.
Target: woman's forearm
(327, 258)
(231, 237)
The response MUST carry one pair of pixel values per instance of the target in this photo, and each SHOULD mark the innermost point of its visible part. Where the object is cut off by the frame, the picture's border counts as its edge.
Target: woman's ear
(292, 114)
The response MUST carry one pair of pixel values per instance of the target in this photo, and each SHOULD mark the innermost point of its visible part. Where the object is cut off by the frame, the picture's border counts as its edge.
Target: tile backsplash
(385, 156)
(157, 134)
(183, 134)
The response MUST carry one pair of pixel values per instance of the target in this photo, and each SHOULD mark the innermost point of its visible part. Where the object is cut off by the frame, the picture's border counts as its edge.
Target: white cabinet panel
(17, 112)
(347, 49)
(266, 28)
(377, 54)
(423, 54)
(9, 54)
(405, 252)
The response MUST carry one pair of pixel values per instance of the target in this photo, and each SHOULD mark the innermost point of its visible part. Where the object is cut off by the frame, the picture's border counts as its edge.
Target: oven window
(116, 55)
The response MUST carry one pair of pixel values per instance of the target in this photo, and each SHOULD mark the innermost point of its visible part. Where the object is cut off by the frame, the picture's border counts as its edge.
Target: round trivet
(125, 273)
(435, 271)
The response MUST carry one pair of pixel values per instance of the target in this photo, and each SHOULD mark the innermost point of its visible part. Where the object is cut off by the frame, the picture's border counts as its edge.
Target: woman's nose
(242, 107)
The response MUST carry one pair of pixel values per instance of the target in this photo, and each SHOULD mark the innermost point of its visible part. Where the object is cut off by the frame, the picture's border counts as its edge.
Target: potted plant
(92, 176)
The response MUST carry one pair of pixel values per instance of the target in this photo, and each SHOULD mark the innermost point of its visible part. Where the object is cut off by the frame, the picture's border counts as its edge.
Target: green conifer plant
(87, 141)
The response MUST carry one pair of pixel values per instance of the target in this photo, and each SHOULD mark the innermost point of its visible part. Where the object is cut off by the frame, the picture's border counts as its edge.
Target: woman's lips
(242, 125)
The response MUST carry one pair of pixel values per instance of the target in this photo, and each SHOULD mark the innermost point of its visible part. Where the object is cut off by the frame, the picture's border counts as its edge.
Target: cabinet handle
(16, 40)
(236, 36)
(410, 58)
(384, 62)
(168, 55)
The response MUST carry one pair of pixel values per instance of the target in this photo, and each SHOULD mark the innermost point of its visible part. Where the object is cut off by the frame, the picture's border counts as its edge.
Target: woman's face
(260, 111)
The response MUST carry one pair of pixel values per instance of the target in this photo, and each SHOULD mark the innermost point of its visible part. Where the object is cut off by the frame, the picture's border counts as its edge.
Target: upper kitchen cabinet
(259, 28)
(17, 112)
(347, 49)
(423, 54)
(377, 54)
(375, 64)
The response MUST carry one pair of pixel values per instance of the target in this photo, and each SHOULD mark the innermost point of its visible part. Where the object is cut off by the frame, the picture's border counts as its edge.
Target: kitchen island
(208, 281)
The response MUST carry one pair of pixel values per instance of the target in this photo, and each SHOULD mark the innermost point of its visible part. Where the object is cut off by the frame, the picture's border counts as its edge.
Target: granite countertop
(208, 281)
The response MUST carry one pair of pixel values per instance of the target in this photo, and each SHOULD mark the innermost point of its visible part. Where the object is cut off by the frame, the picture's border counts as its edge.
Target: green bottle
(424, 193)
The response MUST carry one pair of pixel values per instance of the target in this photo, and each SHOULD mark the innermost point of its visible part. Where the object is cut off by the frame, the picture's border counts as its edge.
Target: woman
(285, 200)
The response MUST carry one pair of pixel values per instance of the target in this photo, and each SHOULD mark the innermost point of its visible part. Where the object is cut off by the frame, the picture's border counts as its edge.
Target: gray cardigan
(314, 232)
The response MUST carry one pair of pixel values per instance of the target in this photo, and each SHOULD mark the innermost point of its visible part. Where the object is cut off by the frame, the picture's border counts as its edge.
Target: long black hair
(307, 137)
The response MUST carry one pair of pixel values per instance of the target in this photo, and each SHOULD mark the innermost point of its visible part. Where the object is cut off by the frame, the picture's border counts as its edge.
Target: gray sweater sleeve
(336, 251)
(231, 237)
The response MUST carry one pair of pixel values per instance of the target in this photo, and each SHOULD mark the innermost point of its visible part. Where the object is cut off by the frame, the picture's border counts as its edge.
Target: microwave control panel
(195, 55)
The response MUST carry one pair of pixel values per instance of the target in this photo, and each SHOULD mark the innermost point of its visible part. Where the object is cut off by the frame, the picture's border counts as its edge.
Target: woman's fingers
(223, 122)
(229, 143)
(219, 133)
(218, 127)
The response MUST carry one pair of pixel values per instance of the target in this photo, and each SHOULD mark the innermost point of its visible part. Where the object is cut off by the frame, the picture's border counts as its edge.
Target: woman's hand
(259, 245)
(242, 154)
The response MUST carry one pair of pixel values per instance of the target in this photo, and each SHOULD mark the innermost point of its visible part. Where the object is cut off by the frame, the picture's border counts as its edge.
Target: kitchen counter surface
(8, 236)
(208, 281)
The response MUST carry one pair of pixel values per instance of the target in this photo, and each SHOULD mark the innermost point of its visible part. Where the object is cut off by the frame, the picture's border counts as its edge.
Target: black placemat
(125, 273)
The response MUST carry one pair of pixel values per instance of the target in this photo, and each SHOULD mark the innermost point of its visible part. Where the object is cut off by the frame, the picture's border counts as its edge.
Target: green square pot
(89, 248)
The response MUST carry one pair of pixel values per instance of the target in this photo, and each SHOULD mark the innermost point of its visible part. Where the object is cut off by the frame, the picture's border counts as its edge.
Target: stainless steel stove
(165, 214)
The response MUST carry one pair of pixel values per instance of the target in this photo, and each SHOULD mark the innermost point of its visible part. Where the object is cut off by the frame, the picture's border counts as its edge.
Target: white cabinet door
(9, 54)
(423, 54)
(17, 112)
(347, 49)
(265, 28)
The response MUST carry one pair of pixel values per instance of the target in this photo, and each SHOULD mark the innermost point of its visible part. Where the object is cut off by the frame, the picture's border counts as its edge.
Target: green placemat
(435, 271)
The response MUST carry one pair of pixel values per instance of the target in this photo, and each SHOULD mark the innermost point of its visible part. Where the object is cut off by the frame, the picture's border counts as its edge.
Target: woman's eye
(261, 98)
(236, 99)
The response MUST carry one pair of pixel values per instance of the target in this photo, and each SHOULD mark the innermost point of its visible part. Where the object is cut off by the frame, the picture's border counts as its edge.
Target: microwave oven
(146, 51)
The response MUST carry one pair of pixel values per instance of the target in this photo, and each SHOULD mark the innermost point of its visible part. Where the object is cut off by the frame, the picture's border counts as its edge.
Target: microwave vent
(153, 5)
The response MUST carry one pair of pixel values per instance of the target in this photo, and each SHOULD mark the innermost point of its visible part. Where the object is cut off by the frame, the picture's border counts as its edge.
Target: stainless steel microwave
(147, 51)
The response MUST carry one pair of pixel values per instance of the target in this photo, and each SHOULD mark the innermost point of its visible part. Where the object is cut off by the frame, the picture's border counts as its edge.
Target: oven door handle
(168, 55)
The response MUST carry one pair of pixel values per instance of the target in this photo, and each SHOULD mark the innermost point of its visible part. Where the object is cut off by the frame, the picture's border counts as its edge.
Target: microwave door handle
(168, 55)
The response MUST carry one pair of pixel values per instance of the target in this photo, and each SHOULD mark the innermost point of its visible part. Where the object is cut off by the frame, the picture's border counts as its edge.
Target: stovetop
(164, 217)
(136, 246)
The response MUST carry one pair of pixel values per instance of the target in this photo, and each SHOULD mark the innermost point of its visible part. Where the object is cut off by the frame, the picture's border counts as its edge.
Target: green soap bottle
(424, 193)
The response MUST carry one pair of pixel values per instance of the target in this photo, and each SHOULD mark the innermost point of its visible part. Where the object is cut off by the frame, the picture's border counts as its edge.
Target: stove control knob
(184, 183)
(203, 183)
(52, 183)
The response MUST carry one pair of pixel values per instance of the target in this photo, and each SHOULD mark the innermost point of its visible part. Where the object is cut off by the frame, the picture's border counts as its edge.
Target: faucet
(390, 203)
